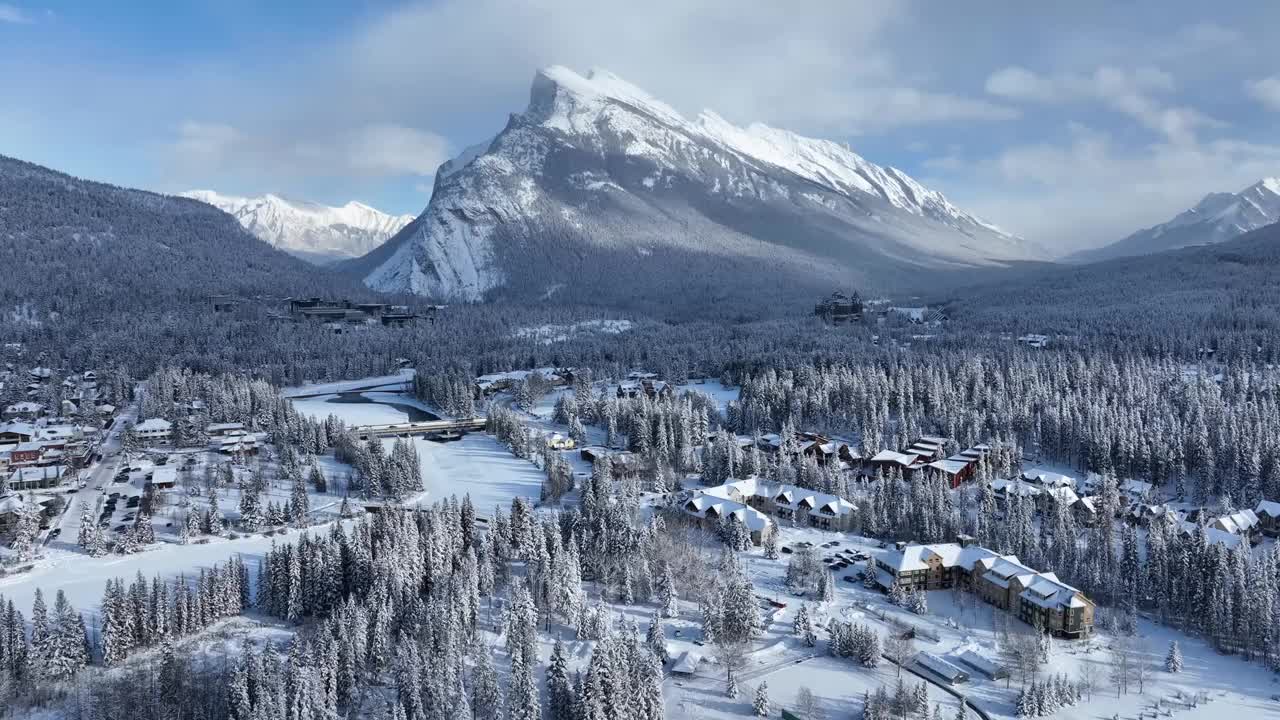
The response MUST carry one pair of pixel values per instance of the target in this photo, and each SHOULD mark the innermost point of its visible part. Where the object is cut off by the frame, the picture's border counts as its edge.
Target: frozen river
(477, 464)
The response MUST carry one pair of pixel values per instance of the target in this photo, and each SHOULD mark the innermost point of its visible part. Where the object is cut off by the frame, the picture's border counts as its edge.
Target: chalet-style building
(25, 410)
(623, 464)
(235, 442)
(1048, 478)
(1005, 490)
(558, 441)
(887, 461)
(803, 506)
(648, 387)
(1036, 598)
(1268, 514)
(712, 508)
(1086, 511)
(839, 309)
(1242, 523)
(16, 432)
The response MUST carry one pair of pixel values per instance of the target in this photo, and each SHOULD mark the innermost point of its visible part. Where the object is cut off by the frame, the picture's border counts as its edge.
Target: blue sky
(1072, 124)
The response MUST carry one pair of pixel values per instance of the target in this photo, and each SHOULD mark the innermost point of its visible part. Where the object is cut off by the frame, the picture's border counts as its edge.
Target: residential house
(1048, 478)
(1085, 510)
(10, 511)
(887, 461)
(236, 442)
(1268, 514)
(1243, 523)
(928, 447)
(557, 441)
(955, 470)
(1212, 535)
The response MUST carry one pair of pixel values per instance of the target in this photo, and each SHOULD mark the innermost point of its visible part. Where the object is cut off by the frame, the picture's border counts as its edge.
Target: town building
(1048, 478)
(1268, 514)
(164, 477)
(1034, 341)
(789, 502)
(558, 441)
(330, 312)
(24, 410)
(648, 387)
(153, 431)
(34, 478)
(16, 432)
(1036, 598)
(839, 309)
(224, 429)
(712, 507)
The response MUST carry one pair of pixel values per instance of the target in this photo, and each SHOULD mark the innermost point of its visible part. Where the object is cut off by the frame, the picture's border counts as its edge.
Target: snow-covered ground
(83, 577)
(713, 389)
(1236, 689)
(548, 334)
(477, 464)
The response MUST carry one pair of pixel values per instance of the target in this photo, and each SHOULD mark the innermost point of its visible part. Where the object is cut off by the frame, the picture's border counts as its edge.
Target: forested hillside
(1222, 296)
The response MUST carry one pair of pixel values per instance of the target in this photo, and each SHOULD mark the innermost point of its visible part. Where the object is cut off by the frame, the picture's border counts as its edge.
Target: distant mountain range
(74, 250)
(599, 192)
(1228, 290)
(1218, 217)
(317, 233)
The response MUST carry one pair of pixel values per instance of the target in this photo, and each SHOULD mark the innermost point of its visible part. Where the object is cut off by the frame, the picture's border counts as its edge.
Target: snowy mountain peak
(596, 167)
(310, 230)
(1270, 185)
(1218, 217)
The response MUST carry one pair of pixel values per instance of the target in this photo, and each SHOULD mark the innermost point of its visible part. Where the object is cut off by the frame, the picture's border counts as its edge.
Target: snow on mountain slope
(1218, 217)
(597, 172)
(314, 232)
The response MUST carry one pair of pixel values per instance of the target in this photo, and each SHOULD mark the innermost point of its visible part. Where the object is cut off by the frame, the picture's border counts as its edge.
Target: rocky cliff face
(599, 190)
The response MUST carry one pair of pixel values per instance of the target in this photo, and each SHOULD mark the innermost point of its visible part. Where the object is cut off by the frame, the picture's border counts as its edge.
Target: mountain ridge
(1218, 217)
(312, 231)
(596, 170)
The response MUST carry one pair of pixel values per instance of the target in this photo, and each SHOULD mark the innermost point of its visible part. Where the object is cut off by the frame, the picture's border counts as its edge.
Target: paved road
(97, 475)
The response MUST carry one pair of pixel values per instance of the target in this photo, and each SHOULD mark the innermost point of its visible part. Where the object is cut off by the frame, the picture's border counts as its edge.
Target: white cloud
(384, 149)
(1131, 92)
(1092, 189)
(14, 14)
(1265, 91)
(375, 150)
(825, 67)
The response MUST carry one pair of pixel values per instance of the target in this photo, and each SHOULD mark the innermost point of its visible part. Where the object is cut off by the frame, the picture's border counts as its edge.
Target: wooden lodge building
(1036, 598)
